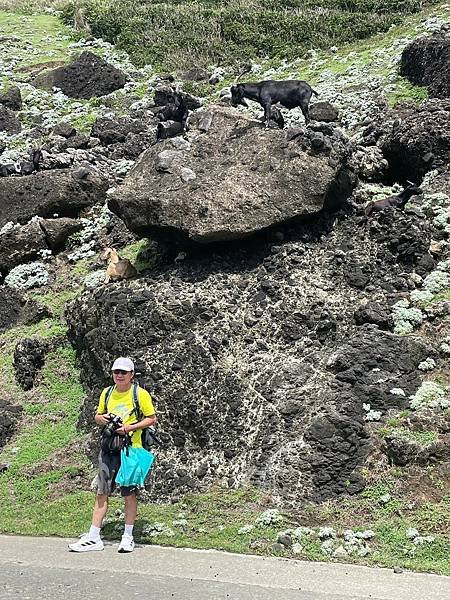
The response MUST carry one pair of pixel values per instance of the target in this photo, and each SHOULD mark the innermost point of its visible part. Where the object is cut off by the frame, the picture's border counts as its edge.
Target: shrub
(177, 33)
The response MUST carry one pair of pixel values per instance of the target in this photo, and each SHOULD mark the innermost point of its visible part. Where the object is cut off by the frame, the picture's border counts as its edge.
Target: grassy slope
(44, 490)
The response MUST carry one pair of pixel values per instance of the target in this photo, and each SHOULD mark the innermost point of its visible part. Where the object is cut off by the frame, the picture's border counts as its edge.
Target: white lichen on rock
(430, 394)
(427, 365)
(27, 276)
(405, 317)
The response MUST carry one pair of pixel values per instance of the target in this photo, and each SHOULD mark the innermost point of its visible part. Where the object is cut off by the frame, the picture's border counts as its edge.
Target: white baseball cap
(125, 364)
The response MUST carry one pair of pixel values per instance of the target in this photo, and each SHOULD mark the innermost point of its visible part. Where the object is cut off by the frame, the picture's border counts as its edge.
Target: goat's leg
(305, 110)
(267, 113)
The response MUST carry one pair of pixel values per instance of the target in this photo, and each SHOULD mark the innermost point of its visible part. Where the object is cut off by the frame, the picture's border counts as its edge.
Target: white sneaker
(86, 544)
(126, 543)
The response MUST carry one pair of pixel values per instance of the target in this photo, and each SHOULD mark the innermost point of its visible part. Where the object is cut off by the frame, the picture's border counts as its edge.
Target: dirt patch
(71, 456)
(38, 67)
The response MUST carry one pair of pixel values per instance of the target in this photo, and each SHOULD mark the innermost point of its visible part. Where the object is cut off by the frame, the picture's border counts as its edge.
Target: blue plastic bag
(135, 464)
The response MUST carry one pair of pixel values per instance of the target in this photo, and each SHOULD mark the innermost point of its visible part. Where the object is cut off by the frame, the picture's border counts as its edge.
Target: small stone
(340, 552)
(284, 539)
(187, 174)
(297, 548)
(398, 570)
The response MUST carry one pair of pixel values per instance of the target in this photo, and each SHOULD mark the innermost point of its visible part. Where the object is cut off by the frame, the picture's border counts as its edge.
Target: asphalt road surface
(42, 568)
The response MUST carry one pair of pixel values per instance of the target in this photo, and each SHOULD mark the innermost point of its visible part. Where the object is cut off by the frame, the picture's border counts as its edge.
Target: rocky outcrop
(259, 370)
(88, 76)
(419, 140)
(29, 356)
(64, 193)
(233, 182)
(8, 120)
(426, 61)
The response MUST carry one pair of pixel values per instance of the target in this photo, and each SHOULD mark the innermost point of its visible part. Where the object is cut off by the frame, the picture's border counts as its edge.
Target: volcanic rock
(29, 356)
(246, 333)
(88, 76)
(46, 193)
(247, 179)
(12, 98)
(419, 140)
(426, 61)
(21, 244)
(323, 111)
(8, 120)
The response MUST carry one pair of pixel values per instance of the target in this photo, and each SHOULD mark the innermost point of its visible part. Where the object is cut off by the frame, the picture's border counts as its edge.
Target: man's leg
(100, 510)
(127, 542)
(130, 509)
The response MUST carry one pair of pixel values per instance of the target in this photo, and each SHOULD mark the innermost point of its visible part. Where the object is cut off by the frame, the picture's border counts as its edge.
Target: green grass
(56, 301)
(134, 253)
(44, 33)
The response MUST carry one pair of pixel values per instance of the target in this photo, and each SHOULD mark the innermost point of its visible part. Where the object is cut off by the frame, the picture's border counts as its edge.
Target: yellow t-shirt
(121, 404)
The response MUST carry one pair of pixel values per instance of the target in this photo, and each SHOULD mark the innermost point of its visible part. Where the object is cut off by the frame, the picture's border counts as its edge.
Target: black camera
(111, 441)
(114, 421)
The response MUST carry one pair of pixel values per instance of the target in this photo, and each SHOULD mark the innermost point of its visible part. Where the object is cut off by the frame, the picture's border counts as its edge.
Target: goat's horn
(245, 69)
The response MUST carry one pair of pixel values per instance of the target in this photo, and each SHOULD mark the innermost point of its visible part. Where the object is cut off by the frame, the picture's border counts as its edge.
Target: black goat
(172, 118)
(398, 201)
(289, 93)
(25, 167)
(176, 110)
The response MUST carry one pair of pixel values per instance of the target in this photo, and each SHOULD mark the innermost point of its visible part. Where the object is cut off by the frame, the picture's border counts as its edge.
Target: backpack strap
(108, 393)
(137, 408)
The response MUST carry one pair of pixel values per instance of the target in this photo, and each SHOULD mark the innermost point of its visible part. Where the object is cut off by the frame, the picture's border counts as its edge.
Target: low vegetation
(177, 34)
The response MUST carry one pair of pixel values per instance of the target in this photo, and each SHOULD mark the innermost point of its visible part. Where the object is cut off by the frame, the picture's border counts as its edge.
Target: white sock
(94, 532)
(129, 530)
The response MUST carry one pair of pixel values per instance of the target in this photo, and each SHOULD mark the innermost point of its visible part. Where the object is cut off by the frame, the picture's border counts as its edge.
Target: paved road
(42, 568)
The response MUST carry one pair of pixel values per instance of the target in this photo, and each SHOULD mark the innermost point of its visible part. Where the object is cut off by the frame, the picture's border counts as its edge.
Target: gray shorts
(105, 480)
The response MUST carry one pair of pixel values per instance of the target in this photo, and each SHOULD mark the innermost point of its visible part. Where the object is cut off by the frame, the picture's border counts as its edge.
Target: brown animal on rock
(117, 268)
(398, 201)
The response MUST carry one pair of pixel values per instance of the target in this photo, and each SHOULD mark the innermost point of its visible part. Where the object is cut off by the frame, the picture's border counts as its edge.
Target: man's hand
(102, 419)
(123, 430)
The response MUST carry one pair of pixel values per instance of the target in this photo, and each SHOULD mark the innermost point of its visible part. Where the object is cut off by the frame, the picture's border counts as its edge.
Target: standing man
(117, 400)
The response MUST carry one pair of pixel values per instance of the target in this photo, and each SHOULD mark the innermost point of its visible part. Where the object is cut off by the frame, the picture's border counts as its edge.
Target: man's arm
(145, 422)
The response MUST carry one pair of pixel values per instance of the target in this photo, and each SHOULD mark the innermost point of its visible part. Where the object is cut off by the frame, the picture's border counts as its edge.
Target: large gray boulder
(231, 182)
(61, 192)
